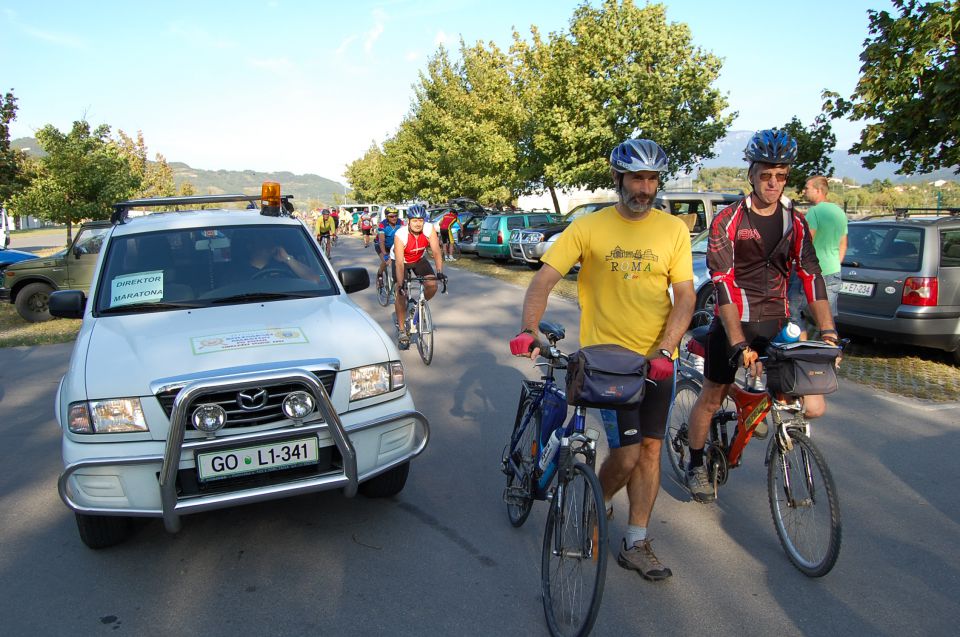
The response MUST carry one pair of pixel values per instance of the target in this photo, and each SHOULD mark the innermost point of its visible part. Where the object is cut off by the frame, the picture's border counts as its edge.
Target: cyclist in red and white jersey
(410, 245)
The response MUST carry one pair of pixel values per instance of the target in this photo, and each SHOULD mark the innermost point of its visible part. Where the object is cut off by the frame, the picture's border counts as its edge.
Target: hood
(549, 229)
(128, 353)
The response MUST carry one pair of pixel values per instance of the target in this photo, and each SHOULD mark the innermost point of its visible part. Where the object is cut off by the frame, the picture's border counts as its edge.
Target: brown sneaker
(640, 558)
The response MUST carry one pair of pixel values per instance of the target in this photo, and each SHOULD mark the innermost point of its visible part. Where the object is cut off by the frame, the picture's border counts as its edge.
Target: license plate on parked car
(484, 239)
(229, 463)
(856, 289)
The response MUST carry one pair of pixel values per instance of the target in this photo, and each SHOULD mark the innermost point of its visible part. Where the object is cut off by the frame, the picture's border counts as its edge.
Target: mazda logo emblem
(252, 399)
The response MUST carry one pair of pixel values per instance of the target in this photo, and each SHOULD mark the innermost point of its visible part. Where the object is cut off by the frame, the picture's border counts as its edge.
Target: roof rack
(122, 209)
(903, 213)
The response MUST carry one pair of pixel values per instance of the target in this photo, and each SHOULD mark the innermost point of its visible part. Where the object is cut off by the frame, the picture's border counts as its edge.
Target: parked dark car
(9, 257)
(470, 214)
(901, 280)
(493, 237)
(28, 284)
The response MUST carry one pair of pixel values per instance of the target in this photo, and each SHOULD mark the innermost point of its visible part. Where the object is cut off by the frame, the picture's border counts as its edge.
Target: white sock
(635, 534)
(608, 506)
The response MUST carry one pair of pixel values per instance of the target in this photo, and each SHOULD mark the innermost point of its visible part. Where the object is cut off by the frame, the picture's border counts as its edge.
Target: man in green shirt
(828, 229)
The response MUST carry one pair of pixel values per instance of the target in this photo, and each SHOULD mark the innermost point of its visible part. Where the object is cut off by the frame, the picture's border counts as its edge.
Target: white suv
(212, 369)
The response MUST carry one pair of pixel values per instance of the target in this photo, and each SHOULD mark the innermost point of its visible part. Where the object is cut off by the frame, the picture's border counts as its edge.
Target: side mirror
(77, 251)
(67, 304)
(354, 279)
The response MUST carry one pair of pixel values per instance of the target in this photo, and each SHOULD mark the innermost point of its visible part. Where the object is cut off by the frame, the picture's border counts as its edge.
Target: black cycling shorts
(444, 237)
(717, 366)
(421, 268)
(625, 427)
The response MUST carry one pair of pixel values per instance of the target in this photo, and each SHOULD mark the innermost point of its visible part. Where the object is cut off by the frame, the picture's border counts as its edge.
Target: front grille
(237, 416)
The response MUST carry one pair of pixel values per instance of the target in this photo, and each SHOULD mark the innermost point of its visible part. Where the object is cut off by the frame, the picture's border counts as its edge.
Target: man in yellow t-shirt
(325, 230)
(630, 255)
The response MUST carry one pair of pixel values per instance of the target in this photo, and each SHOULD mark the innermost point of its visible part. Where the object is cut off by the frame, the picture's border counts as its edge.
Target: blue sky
(307, 86)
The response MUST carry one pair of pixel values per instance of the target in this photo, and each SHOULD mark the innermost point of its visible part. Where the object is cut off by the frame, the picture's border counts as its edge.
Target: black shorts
(716, 364)
(444, 236)
(366, 232)
(625, 427)
(421, 268)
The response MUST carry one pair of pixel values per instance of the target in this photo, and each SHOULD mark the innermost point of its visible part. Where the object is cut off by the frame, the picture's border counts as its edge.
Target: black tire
(574, 558)
(32, 302)
(535, 266)
(675, 441)
(425, 334)
(102, 531)
(387, 484)
(705, 298)
(523, 455)
(383, 291)
(807, 518)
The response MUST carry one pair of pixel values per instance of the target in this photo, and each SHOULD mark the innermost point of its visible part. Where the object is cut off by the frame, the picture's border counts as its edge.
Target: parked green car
(493, 238)
(28, 284)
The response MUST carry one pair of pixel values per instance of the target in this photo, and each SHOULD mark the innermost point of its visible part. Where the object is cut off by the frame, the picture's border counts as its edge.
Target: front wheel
(804, 505)
(574, 559)
(32, 302)
(675, 439)
(102, 531)
(383, 289)
(387, 484)
(425, 334)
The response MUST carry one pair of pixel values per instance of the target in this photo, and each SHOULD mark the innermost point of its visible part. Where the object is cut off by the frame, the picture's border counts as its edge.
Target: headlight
(533, 237)
(374, 380)
(116, 415)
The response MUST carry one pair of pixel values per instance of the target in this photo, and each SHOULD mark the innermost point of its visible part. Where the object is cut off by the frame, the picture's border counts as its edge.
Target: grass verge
(914, 372)
(15, 331)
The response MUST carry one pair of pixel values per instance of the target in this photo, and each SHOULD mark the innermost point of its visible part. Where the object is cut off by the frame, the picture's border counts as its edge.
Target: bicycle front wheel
(675, 439)
(425, 334)
(519, 492)
(574, 562)
(804, 506)
(383, 289)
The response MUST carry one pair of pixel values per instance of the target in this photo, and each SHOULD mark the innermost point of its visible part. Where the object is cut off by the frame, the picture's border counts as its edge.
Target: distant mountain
(729, 152)
(217, 182)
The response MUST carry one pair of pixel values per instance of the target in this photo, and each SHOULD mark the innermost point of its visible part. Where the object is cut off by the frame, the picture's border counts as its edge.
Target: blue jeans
(798, 301)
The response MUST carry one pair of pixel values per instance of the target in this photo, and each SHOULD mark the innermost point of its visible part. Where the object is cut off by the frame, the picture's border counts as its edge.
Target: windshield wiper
(261, 296)
(147, 306)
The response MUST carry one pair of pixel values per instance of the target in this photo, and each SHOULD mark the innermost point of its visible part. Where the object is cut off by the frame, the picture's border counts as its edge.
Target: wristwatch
(665, 353)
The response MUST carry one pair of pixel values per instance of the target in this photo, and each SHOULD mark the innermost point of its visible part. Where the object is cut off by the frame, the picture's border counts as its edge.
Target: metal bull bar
(172, 508)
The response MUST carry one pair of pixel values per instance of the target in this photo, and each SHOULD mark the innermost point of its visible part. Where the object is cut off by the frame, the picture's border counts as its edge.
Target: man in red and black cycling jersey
(753, 246)
(410, 244)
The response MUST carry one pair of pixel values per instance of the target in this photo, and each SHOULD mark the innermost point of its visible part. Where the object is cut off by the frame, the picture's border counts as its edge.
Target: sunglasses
(780, 177)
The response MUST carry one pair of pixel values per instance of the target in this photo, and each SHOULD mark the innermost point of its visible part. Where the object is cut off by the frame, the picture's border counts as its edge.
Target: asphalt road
(39, 239)
(441, 558)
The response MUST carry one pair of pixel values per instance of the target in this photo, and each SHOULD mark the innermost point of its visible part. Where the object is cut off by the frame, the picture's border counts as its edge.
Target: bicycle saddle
(553, 331)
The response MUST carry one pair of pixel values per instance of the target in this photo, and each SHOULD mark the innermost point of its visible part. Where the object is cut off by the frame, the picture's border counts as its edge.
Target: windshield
(200, 267)
(583, 209)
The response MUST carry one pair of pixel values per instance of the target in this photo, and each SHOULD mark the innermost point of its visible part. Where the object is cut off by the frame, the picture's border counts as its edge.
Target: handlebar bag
(805, 368)
(605, 377)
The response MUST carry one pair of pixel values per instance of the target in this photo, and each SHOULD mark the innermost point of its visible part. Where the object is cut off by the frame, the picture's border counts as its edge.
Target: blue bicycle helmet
(771, 146)
(634, 155)
(417, 211)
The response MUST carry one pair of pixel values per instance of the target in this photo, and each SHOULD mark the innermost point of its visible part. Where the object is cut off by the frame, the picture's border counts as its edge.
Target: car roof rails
(273, 204)
(903, 213)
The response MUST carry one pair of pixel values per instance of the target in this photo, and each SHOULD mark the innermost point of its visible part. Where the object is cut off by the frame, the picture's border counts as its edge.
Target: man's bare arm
(535, 300)
(684, 302)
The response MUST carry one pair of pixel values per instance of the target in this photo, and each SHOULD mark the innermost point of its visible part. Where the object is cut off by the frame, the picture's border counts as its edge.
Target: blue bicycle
(549, 460)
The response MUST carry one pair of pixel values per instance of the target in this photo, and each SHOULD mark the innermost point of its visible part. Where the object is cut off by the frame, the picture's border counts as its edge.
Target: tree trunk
(69, 232)
(556, 202)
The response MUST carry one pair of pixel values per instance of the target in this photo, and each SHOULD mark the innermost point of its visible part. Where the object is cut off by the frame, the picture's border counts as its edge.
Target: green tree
(622, 71)
(14, 174)
(814, 145)
(366, 175)
(83, 173)
(909, 88)
(156, 176)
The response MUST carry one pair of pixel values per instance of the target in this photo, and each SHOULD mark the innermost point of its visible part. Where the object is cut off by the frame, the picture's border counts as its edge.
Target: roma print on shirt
(632, 263)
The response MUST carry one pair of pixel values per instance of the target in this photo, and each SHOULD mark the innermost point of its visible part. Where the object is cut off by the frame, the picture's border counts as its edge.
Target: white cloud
(198, 36)
(66, 40)
(347, 41)
(442, 38)
(372, 36)
(278, 66)
(412, 56)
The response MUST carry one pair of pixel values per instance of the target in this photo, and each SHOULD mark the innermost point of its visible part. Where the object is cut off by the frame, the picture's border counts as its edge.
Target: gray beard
(633, 205)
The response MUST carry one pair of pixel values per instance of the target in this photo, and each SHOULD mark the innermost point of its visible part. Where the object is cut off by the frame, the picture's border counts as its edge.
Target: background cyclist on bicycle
(325, 230)
(385, 232)
(754, 244)
(410, 244)
(629, 255)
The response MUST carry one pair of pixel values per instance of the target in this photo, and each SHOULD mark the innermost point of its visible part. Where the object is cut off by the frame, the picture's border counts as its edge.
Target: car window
(950, 248)
(699, 243)
(490, 223)
(539, 220)
(210, 266)
(884, 247)
(90, 240)
(514, 222)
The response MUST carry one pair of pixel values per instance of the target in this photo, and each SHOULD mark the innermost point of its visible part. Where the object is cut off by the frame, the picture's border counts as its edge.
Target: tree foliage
(14, 172)
(909, 88)
(82, 174)
(156, 177)
(814, 145)
(545, 114)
